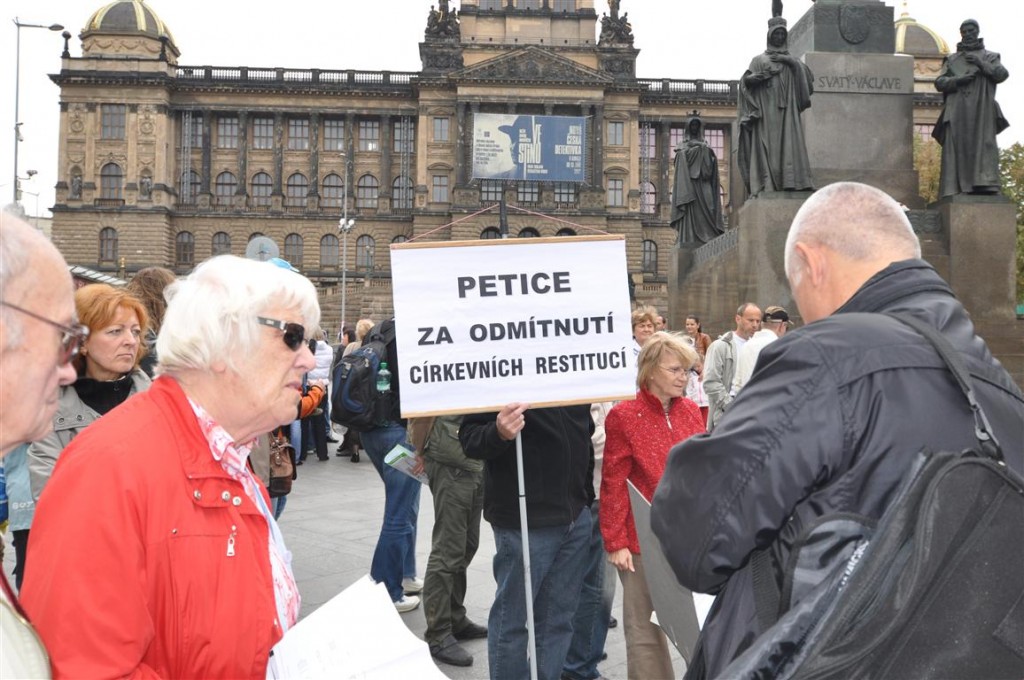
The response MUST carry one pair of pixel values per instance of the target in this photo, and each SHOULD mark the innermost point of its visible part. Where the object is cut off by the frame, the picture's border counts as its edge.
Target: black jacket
(828, 424)
(558, 462)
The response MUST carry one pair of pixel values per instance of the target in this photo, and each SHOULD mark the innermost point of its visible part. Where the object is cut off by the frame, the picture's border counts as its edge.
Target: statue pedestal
(860, 124)
(982, 244)
(764, 224)
(680, 262)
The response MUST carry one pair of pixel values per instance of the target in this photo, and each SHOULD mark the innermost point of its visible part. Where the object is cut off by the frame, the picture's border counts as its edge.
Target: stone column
(385, 154)
(461, 177)
(243, 152)
(598, 146)
(278, 153)
(665, 161)
(207, 151)
(350, 150)
(314, 155)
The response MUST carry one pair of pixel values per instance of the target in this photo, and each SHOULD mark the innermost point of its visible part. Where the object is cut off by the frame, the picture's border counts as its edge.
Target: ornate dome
(127, 22)
(916, 39)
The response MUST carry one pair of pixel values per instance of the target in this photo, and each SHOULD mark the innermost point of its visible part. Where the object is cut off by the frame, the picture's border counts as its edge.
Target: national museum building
(162, 163)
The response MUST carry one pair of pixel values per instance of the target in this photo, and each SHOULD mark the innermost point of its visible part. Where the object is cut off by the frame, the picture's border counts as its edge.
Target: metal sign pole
(531, 648)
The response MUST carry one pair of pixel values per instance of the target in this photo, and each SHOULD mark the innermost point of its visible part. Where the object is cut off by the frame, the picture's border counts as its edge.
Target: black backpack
(356, 403)
(936, 590)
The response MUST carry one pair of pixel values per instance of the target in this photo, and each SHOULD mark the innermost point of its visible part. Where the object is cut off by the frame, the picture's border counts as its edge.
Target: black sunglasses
(71, 339)
(294, 333)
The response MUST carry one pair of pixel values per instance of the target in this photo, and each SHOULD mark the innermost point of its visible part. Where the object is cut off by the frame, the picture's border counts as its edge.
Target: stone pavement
(331, 523)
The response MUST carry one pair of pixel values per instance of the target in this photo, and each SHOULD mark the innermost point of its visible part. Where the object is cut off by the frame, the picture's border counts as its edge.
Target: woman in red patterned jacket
(639, 435)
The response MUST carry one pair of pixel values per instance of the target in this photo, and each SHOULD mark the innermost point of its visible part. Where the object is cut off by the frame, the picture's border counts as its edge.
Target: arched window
(328, 251)
(333, 191)
(110, 181)
(401, 238)
(296, 190)
(255, 234)
(490, 232)
(221, 244)
(108, 244)
(401, 193)
(224, 188)
(366, 192)
(190, 184)
(528, 232)
(365, 247)
(648, 198)
(184, 249)
(565, 231)
(293, 250)
(650, 257)
(262, 185)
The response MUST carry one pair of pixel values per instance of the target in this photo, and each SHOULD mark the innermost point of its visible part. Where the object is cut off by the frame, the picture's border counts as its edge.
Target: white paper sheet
(358, 634)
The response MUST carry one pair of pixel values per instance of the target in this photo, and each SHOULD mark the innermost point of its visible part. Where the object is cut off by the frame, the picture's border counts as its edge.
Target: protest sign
(480, 324)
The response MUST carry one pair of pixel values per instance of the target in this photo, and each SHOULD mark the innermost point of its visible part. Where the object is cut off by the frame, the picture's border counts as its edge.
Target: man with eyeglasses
(38, 338)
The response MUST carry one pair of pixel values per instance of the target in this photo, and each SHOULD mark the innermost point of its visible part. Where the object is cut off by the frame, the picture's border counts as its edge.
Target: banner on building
(524, 147)
(481, 324)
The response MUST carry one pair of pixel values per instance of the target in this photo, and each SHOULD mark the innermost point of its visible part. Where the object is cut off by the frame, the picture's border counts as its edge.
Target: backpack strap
(982, 430)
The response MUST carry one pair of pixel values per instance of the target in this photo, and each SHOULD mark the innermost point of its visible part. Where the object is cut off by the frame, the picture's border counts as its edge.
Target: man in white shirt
(720, 362)
(773, 326)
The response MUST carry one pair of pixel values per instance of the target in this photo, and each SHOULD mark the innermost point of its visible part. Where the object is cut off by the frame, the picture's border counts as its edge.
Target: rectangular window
(648, 142)
(227, 132)
(490, 190)
(263, 133)
(527, 192)
(334, 135)
(676, 137)
(403, 135)
(441, 129)
(491, 4)
(616, 132)
(528, 4)
(298, 134)
(369, 135)
(192, 130)
(565, 5)
(439, 189)
(565, 192)
(615, 196)
(113, 120)
(715, 137)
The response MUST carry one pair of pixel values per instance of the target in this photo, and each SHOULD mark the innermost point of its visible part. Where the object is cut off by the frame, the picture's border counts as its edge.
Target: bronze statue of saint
(971, 117)
(696, 192)
(774, 91)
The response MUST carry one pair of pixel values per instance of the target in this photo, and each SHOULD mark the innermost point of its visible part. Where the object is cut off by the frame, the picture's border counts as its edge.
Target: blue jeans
(277, 505)
(558, 558)
(395, 555)
(590, 625)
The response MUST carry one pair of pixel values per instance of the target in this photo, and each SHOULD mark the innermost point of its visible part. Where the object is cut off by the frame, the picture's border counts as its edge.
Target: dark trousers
(314, 430)
(458, 505)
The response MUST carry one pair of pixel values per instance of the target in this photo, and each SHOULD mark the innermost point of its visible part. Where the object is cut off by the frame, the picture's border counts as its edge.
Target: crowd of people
(168, 561)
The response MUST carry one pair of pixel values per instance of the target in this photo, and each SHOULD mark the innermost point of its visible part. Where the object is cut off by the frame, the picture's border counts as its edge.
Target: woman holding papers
(639, 435)
(154, 551)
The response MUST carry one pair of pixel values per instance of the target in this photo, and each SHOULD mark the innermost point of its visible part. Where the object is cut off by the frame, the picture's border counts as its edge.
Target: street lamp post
(17, 91)
(346, 226)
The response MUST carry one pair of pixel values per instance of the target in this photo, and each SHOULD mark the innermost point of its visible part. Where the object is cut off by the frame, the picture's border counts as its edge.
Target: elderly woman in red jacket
(639, 435)
(154, 550)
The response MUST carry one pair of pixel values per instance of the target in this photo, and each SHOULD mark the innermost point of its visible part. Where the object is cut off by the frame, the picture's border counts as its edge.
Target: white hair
(211, 314)
(18, 242)
(857, 221)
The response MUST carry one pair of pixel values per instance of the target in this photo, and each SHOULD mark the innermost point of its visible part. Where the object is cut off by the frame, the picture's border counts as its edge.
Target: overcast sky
(712, 39)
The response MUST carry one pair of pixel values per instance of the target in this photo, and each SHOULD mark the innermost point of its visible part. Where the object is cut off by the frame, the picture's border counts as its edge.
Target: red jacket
(638, 438)
(130, 573)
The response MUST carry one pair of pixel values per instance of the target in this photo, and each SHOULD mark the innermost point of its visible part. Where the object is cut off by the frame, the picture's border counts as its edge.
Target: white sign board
(480, 324)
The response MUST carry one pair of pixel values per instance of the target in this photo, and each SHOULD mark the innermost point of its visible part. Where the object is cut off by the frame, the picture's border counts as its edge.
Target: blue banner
(535, 148)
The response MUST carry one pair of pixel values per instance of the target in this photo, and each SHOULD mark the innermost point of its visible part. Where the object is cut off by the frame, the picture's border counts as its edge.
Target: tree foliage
(927, 162)
(1011, 166)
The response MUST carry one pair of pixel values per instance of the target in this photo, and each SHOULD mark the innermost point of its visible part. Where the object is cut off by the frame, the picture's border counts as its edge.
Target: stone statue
(443, 22)
(615, 29)
(696, 193)
(971, 117)
(76, 186)
(773, 92)
(145, 186)
(613, 7)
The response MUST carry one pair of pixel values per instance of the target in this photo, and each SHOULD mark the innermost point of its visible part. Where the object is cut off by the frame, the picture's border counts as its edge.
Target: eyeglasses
(676, 372)
(294, 333)
(72, 337)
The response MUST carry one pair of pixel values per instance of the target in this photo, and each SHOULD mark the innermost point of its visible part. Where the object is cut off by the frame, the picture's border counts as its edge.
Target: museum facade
(166, 164)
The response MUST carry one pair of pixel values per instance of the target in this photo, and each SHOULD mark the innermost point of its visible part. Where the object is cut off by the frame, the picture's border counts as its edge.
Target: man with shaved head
(38, 338)
(831, 419)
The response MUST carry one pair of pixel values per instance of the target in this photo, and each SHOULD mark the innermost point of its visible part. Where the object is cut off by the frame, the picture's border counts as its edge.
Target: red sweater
(638, 438)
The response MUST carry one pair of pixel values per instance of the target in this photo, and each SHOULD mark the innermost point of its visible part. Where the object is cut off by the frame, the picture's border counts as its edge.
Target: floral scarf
(232, 458)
